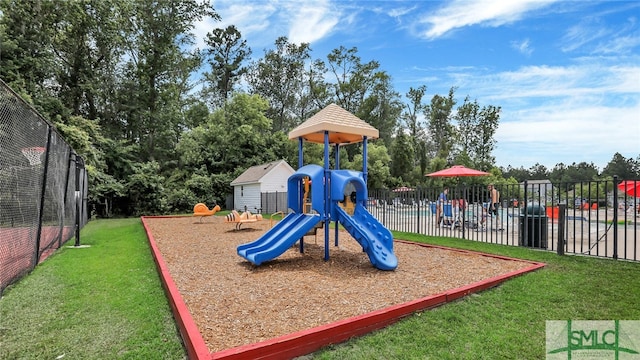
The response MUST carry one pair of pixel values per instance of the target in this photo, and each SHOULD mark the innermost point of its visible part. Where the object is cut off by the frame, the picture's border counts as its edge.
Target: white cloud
(311, 22)
(572, 134)
(462, 13)
(580, 35)
(259, 22)
(595, 36)
(618, 45)
(569, 114)
(262, 22)
(524, 47)
(560, 82)
(399, 12)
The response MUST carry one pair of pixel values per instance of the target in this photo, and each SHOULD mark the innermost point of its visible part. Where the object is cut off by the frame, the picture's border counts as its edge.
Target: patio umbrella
(456, 171)
(630, 187)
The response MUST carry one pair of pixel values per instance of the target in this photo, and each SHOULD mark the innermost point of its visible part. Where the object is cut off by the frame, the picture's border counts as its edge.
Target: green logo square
(593, 339)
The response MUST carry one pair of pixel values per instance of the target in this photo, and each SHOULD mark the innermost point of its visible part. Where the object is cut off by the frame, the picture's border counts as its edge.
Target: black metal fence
(43, 189)
(596, 218)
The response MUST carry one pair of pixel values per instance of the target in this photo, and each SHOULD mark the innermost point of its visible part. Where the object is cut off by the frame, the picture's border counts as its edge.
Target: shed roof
(255, 173)
(343, 127)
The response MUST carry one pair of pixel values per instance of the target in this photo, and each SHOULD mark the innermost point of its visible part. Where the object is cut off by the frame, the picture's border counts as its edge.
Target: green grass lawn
(106, 302)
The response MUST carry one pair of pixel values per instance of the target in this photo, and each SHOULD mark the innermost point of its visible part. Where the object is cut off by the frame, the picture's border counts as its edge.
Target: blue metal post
(327, 195)
(300, 194)
(364, 169)
(300, 143)
(364, 158)
(337, 157)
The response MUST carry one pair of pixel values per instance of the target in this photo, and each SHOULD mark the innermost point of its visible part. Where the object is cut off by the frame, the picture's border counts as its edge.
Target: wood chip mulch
(235, 303)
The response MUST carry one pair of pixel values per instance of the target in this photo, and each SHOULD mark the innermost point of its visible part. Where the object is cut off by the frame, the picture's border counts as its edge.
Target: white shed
(266, 178)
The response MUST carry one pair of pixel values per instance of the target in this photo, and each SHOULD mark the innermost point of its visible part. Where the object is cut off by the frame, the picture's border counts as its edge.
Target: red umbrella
(457, 170)
(631, 187)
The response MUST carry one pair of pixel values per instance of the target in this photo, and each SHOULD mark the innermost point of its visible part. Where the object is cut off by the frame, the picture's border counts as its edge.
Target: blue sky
(565, 73)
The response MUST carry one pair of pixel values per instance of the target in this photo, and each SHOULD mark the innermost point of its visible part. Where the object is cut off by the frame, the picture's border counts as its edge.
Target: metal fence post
(615, 216)
(562, 208)
(43, 190)
(78, 197)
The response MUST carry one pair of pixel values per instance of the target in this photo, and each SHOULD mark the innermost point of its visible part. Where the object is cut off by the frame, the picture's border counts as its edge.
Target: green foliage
(181, 200)
(226, 54)
(402, 161)
(593, 190)
(281, 78)
(145, 190)
(378, 175)
(439, 115)
(476, 128)
(625, 169)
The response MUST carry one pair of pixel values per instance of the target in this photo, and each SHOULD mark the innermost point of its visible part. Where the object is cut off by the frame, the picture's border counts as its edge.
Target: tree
(402, 156)
(416, 127)
(382, 107)
(440, 127)
(88, 49)
(487, 126)
(622, 167)
(232, 140)
(226, 54)
(27, 61)
(574, 172)
(281, 78)
(469, 139)
(146, 190)
(378, 159)
(363, 90)
(353, 79)
(520, 174)
(539, 172)
(152, 98)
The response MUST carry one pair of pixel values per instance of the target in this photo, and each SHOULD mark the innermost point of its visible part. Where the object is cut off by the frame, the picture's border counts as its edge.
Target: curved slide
(375, 239)
(279, 238)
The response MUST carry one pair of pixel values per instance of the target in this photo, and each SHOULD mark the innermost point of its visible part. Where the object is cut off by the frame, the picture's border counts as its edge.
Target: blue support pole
(364, 169)
(300, 194)
(337, 157)
(327, 195)
(300, 143)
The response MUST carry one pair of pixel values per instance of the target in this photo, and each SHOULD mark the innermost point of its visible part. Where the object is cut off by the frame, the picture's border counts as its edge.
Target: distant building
(266, 178)
(538, 190)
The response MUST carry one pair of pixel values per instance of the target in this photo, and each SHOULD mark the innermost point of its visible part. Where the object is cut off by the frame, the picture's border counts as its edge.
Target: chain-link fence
(43, 188)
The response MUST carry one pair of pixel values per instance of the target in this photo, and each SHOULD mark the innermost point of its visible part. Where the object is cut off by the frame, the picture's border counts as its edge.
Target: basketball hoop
(33, 154)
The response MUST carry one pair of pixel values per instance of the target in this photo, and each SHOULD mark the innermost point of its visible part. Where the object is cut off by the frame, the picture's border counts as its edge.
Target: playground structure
(202, 210)
(318, 195)
(239, 219)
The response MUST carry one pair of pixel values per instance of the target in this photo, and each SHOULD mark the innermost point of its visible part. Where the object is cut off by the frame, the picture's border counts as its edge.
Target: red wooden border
(307, 341)
(193, 341)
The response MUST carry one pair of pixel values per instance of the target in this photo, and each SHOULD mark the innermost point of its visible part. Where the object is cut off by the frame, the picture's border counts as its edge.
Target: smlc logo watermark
(593, 339)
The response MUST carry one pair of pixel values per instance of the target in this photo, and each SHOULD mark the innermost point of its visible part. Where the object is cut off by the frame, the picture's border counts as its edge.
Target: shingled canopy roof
(343, 127)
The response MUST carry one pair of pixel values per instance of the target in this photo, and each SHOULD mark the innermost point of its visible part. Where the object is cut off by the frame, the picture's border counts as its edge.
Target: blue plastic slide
(375, 239)
(279, 238)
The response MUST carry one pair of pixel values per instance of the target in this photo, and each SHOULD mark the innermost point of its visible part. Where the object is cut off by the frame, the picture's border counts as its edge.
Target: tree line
(163, 125)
